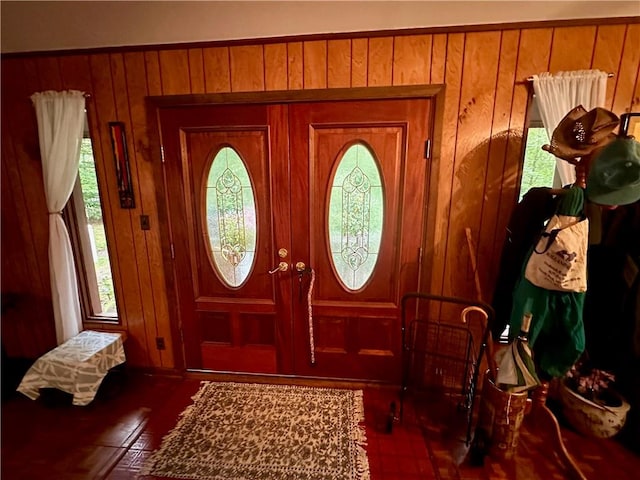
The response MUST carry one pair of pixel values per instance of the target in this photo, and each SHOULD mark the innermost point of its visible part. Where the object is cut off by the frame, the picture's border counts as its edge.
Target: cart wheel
(391, 417)
(479, 447)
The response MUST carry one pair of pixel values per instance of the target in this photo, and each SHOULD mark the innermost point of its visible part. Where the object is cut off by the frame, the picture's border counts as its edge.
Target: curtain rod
(530, 79)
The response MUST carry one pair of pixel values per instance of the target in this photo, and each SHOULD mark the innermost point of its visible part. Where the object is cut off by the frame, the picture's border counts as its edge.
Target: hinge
(162, 154)
(173, 252)
(427, 149)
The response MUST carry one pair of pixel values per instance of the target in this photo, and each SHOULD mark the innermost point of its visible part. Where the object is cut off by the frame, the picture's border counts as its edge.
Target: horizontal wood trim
(297, 96)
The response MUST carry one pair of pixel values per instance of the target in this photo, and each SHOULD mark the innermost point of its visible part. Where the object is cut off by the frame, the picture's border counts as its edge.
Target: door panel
(356, 334)
(237, 328)
(291, 152)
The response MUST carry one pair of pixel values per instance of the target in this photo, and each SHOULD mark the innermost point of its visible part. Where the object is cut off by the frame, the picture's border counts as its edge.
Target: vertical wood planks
(49, 72)
(117, 221)
(533, 57)
(411, 60)
(338, 63)
(152, 64)
(135, 271)
(315, 64)
(438, 58)
(217, 77)
(607, 53)
(174, 69)
(475, 115)
(497, 154)
(130, 109)
(572, 48)
(359, 64)
(380, 61)
(275, 66)
(27, 325)
(196, 70)
(453, 80)
(628, 71)
(246, 65)
(296, 67)
(635, 100)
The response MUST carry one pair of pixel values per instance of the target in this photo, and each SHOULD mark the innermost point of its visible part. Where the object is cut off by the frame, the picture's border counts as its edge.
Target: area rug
(236, 431)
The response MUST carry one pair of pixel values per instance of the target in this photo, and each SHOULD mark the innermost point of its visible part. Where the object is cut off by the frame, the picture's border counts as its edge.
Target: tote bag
(559, 259)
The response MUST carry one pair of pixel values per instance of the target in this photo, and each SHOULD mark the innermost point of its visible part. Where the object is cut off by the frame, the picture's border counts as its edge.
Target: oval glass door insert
(356, 212)
(231, 217)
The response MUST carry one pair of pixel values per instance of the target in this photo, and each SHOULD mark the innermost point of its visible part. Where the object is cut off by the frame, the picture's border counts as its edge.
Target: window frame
(75, 219)
(533, 120)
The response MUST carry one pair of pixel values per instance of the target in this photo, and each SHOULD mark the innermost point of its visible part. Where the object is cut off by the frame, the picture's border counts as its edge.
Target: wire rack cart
(441, 352)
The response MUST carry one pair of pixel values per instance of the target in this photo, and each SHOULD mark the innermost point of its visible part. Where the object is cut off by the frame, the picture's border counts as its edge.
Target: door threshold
(279, 379)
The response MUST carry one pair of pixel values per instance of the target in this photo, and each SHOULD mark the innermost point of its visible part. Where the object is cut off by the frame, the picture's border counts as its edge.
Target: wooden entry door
(356, 329)
(296, 158)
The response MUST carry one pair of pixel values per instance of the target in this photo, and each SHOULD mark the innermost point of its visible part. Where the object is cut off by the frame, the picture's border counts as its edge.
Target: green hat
(614, 177)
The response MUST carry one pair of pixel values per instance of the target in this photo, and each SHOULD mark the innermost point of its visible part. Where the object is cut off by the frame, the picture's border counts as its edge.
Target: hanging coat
(557, 329)
(528, 218)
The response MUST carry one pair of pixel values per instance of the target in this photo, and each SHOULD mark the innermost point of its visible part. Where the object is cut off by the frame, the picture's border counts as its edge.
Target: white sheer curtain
(558, 93)
(60, 118)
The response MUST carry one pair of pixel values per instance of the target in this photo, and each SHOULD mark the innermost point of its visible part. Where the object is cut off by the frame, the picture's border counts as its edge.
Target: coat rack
(543, 418)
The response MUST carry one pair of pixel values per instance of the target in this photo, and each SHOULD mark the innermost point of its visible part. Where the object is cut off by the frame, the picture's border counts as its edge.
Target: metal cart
(441, 354)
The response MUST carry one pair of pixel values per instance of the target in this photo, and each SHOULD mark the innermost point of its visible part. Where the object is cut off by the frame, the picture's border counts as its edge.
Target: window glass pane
(231, 217)
(355, 216)
(101, 267)
(539, 166)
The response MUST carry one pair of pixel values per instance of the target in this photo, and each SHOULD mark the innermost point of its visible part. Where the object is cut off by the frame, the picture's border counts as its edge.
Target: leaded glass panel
(231, 217)
(355, 220)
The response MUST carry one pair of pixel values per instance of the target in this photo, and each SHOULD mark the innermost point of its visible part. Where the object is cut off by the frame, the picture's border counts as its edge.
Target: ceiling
(29, 26)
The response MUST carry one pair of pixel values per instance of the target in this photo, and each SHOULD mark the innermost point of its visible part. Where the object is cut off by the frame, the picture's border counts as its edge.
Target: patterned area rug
(236, 431)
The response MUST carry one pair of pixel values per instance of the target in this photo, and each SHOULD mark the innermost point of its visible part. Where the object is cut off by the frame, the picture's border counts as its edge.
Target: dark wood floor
(111, 438)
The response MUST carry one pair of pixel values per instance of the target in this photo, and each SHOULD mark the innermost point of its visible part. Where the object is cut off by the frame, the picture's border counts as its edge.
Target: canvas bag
(559, 259)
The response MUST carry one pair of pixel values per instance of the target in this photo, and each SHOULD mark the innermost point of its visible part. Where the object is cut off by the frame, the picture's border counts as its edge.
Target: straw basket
(500, 417)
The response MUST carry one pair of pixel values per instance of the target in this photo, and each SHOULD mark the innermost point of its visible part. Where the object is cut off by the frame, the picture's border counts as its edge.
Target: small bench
(77, 366)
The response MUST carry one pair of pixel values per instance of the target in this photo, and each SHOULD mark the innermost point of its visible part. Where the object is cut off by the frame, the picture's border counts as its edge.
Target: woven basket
(590, 418)
(500, 417)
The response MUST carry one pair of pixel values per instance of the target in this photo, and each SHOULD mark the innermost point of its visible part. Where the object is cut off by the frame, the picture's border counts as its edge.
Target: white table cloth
(78, 366)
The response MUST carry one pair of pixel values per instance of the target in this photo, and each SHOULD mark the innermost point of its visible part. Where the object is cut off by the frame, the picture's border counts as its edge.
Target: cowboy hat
(614, 177)
(580, 132)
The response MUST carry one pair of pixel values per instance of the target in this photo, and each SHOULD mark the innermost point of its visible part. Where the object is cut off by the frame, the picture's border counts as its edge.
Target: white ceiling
(51, 25)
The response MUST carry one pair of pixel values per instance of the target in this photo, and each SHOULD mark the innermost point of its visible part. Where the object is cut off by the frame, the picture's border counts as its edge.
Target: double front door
(295, 230)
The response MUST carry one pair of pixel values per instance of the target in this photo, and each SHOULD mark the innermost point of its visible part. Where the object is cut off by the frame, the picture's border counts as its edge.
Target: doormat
(236, 431)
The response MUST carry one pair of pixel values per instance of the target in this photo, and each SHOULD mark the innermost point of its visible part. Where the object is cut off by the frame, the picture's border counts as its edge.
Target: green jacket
(557, 329)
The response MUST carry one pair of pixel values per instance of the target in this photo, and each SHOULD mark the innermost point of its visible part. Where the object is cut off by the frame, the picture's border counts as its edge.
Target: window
(356, 212)
(89, 242)
(539, 167)
(231, 222)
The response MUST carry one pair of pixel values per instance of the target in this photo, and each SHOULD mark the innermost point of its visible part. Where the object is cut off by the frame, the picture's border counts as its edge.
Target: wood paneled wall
(478, 153)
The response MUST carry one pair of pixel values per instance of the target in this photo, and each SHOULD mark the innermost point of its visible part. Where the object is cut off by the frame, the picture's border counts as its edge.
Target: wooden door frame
(155, 103)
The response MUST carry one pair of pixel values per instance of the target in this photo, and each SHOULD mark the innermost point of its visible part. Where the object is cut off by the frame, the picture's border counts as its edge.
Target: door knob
(300, 266)
(282, 267)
